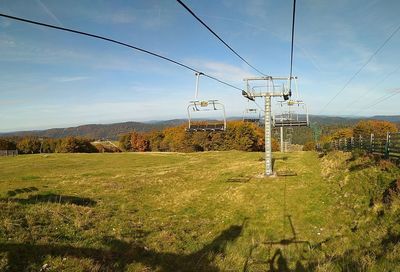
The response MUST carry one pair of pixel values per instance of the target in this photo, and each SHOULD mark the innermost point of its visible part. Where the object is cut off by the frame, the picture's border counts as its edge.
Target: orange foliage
(377, 127)
(238, 136)
(139, 142)
(343, 133)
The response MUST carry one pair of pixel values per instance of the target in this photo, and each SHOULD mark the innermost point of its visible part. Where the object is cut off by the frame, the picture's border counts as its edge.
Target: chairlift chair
(296, 115)
(197, 107)
(251, 116)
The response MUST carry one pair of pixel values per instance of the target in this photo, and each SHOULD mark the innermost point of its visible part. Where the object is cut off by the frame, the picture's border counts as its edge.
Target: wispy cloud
(70, 79)
(49, 12)
(4, 23)
(223, 71)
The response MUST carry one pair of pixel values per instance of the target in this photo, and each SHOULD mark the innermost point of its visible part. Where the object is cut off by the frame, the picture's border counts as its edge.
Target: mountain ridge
(113, 130)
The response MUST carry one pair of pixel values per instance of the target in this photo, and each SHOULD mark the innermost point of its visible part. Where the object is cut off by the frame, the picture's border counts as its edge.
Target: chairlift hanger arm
(269, 78)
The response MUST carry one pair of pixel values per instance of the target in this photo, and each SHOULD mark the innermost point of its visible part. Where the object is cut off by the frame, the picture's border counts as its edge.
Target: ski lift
(196, 108)
(294, 115)
(251, 116)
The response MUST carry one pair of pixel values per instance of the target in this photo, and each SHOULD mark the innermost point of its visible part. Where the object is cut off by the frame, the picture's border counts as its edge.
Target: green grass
(206, 211)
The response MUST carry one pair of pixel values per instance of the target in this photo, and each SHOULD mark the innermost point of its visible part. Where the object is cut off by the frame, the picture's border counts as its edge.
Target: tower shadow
(25, 256)
(278, 262)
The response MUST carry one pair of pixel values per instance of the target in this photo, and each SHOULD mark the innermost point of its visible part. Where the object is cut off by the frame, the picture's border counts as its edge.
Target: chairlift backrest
(292, 117)
(197, 106)
(251, 115)
(196, 123)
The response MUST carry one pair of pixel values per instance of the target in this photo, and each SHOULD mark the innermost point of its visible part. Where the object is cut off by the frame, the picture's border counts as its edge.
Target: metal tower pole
(282, 150)
(271, 90)
(268, 149)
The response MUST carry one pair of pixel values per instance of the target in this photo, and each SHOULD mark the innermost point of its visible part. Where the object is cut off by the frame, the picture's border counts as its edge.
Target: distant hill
(112, 131)
(97, 131)
(390, 118)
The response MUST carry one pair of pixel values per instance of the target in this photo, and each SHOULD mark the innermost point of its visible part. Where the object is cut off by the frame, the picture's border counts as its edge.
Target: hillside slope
(112, 131)
(97, 131)
(200, 212)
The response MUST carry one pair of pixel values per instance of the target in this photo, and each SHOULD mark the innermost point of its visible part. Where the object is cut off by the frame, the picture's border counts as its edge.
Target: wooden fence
(388, 146)
(8, 153)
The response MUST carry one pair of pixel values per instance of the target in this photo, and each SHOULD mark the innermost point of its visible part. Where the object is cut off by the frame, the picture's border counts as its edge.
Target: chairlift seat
(291, 123)
(251, 120)
(212, 127)
(195, 107)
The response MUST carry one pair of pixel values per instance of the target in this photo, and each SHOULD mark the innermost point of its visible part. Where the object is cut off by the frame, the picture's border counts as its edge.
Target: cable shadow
(21, 191)
(278, 262)
(22, 257)
(292, 240)
(52, 198)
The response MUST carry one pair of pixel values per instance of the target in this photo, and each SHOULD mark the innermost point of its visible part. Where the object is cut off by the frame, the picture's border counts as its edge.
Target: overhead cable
(361, 68)
(366, 93)
(217, 36)
(291, 49)
(381, 99)
(119, 43)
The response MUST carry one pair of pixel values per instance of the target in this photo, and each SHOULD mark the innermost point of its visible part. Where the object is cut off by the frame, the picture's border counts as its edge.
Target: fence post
(387, 144)
(371, 144)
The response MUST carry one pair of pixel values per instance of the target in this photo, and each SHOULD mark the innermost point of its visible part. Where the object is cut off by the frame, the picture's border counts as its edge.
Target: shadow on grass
(239, 179)
(284, 158)
(23, 257)
(22, 190)
(52, 198)
(278, 262)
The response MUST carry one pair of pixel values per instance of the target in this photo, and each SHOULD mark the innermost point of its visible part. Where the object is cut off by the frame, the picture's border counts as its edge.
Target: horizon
(111, 122)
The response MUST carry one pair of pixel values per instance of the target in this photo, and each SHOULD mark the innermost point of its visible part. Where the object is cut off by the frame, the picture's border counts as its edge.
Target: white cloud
(49, 12)
(223, 71)
(70, 79)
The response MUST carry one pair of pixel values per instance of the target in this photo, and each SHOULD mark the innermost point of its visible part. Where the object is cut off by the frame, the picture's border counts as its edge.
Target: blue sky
(54, 79)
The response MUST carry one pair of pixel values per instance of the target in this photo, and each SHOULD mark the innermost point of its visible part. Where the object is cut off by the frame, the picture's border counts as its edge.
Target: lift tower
(269, 87)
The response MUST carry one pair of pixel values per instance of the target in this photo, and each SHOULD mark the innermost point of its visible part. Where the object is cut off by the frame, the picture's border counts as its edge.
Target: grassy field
(206, 211)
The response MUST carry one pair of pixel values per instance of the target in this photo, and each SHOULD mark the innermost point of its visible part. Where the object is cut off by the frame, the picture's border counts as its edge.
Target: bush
(29, 145)
(357, 153)
(76, 145)
(238, 136)
(7, 145)
(377, 127)
(309, 146)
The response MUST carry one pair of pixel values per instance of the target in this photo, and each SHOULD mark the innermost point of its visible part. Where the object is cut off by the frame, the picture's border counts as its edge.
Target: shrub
(28, 145)
(76, 145)
(309, 146)
(7, 145)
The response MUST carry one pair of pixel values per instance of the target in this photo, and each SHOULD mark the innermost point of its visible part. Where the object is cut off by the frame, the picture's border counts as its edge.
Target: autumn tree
(139, 142)
(275, 145)
(240, 136)
(28, 145)
(156, 137)
(177, 139)
(377, 127)
(75, 145)
(125, 142)
(50, 145)
(342, 133)
(309, 146)
(7, 145)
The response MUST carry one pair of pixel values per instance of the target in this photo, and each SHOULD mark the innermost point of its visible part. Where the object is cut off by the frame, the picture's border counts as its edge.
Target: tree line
(32, 145)
(239, 135)
(364, 128)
